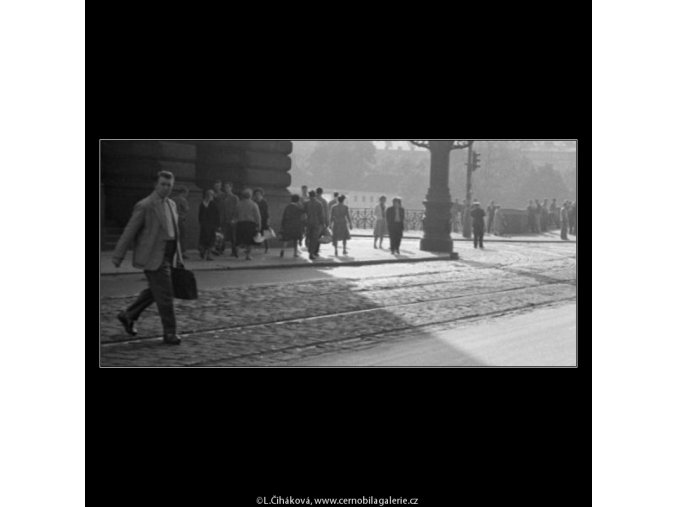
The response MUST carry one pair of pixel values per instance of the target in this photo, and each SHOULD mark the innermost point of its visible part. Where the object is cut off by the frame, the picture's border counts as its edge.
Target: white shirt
(169, 218)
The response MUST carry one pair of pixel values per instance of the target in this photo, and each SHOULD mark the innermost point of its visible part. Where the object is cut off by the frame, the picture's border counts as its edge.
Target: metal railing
(363, 218)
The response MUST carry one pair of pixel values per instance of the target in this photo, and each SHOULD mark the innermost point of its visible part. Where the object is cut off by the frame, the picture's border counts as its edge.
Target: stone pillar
(437, 221)
(267, 166)
(128, 174)
(249, 164)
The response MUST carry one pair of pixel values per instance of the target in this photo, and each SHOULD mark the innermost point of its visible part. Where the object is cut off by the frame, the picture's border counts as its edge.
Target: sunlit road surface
(544, 337)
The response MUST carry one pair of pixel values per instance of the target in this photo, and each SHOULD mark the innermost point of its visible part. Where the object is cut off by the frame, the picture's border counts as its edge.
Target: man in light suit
(153, 232)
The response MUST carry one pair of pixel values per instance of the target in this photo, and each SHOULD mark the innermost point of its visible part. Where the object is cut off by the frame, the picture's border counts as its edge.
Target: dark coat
(390, 218)
(315, 212)
(293, 222)
(478, 215)
(209, 216)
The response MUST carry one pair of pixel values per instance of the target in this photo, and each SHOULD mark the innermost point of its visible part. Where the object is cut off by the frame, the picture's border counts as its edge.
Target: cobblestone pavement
(270, 324)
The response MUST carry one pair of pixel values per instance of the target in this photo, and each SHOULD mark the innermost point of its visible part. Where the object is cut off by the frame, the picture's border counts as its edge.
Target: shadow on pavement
(261, 324)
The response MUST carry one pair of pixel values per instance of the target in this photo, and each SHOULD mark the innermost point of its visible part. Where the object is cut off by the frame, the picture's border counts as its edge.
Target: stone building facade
(128, 170)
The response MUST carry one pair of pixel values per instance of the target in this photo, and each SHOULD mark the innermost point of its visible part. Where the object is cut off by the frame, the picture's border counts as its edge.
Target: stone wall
(128, 170)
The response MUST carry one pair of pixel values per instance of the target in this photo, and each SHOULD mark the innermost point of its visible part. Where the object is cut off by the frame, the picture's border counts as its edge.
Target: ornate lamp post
(437, 222)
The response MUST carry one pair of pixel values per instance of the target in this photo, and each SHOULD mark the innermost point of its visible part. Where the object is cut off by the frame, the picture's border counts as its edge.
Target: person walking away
(333, 202)
(263, 210)
(491, 214)
(573, 218)
(153, 232)
(319, 196)
(248, 222)
(380, 224)
(315, 224)
(208, 218)
(227, 211)
(478, 215)
(564, 220)
(340, 225)
(538, 213)
(545, 216)
(457, 214)
(395, 216)
(498, 221)
(531, 217)
(304, 199)
(182, 208)
(292, 224)
(554, 214)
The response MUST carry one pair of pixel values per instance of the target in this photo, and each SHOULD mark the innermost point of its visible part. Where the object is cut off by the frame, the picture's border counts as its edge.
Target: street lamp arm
(452, 144)
(460, 145)
(421, 144)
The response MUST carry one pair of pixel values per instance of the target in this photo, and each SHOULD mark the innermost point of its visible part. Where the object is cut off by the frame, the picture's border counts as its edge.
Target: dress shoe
(127, 323)
(172, 339)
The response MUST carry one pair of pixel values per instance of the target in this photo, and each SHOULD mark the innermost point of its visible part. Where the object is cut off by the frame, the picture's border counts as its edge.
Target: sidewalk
(360, 252)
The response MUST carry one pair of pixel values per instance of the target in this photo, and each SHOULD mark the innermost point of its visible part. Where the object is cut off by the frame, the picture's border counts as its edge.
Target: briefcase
(185, 286)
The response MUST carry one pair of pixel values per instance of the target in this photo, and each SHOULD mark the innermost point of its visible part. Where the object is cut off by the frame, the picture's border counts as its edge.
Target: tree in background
(508, 175)
(544, 183)
(341, 164)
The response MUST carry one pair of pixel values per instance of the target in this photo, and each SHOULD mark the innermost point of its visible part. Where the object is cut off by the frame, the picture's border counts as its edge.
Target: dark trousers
(159, 291)
(313, 238)
(182, 233)
(229, 233)
(395, 232)
(207, 237)
(478, 235)
(565, 229)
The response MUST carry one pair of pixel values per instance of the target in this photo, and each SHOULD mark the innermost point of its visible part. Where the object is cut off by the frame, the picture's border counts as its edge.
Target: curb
(252, 267)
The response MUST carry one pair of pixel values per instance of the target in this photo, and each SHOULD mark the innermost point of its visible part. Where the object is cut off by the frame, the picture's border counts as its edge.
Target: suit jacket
(146, 233)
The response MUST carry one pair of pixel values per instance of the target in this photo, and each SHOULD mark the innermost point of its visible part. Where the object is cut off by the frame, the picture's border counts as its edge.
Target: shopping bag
(327, 236)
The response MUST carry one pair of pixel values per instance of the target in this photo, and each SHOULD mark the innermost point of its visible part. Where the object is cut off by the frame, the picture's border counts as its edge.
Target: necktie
(171, 227)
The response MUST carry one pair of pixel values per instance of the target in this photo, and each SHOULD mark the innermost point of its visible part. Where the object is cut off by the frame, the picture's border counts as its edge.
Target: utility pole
(468, 194)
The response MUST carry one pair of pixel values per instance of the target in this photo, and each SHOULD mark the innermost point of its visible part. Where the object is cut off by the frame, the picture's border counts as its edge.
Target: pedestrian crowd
(307, 222)
(545, 217)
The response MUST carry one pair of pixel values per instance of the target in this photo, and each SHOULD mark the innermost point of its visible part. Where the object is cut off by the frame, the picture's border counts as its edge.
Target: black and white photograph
(338, 253)
(224, 316)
